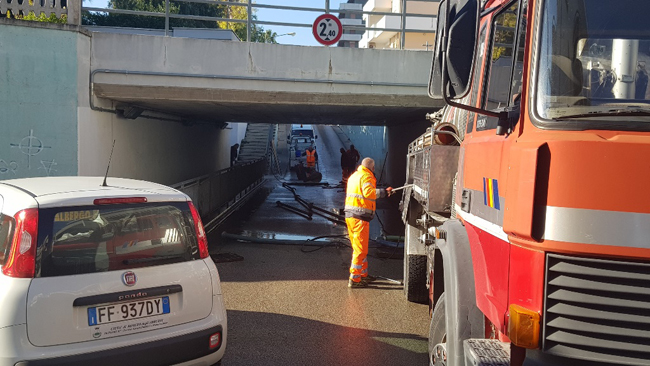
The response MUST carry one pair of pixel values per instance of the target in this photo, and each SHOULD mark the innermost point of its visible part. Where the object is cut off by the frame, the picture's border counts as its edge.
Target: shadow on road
(290, 340)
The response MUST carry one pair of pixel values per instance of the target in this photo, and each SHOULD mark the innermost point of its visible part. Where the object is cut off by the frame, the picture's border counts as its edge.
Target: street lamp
(266, 36)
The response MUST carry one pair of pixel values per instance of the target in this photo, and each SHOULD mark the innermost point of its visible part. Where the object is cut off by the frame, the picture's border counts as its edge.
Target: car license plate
(128, 310)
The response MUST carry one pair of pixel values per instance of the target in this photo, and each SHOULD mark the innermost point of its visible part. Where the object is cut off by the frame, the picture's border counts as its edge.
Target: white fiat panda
(115, 274)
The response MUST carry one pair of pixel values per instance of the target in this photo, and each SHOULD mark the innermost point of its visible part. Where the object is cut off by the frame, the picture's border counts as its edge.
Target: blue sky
(303, 35)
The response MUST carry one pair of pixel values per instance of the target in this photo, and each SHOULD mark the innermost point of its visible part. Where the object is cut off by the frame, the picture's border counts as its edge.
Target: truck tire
(415, 279)
(415, 269)
(437, 328)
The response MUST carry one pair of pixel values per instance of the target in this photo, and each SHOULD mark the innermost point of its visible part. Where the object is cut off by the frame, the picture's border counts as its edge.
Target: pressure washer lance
(402, 187)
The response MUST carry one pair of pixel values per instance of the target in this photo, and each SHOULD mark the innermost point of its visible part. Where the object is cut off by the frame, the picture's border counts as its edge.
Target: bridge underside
(225, 81)
(209, 105)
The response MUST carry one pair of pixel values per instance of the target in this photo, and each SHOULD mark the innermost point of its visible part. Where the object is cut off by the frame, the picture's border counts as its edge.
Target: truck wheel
(415, 269)
(437, 332)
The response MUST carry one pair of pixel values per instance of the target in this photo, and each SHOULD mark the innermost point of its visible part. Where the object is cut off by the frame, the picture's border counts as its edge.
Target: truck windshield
(592, 62)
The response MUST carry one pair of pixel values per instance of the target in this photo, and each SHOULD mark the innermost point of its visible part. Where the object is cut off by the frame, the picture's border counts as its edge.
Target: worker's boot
(369, 279)
(360, 284)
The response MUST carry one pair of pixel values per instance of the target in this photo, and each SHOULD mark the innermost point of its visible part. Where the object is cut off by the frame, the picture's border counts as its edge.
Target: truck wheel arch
(463, 318)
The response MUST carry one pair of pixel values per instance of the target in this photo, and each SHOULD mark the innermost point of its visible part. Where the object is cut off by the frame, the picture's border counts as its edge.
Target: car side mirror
(316, 137)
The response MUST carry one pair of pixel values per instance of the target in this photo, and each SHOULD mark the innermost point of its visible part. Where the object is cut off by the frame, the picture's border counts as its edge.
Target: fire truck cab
(534, 219)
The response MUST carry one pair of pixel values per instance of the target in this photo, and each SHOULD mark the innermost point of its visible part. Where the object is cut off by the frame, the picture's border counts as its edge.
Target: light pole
(266, 36)
(286, 34)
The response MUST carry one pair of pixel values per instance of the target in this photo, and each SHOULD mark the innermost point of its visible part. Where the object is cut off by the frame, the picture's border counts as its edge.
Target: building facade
(387, 34)
(351, 37)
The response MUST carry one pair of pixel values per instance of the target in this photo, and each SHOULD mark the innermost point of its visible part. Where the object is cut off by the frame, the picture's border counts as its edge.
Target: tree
(258, 33)
(155, 6)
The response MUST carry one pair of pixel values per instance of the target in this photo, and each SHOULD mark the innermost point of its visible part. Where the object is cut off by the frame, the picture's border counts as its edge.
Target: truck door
(496, 86)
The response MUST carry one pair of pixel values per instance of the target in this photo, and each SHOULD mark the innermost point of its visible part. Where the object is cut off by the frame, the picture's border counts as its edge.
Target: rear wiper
(151, 259)
(612, 112)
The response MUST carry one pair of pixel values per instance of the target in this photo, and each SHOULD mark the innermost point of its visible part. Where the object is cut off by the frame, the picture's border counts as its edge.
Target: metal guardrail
(218, 192)
(251, 21)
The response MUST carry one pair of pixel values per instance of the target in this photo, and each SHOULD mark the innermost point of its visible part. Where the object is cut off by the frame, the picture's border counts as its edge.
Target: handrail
(218, 192)
(251, 21)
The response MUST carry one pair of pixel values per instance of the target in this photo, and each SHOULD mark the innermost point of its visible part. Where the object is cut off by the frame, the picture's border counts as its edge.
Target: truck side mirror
(461, 30)
(316, 136)
(435, 77)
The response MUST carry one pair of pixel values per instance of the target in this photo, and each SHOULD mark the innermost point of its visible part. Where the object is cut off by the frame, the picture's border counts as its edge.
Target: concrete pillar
(74, 12)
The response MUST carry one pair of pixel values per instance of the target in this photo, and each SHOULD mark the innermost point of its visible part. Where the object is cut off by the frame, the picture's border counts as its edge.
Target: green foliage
(258, 34)
(39, 18)
(155, 6)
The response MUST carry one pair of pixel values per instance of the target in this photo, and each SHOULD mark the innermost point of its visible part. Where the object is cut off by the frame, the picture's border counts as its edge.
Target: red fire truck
(528, 213)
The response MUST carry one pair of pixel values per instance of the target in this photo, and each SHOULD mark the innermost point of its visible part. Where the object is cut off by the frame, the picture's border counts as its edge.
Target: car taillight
(200, 233)
(21, 260)
(215, 340)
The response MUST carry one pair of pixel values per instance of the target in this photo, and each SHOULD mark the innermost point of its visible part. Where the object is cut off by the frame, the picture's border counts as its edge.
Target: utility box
(431, 169)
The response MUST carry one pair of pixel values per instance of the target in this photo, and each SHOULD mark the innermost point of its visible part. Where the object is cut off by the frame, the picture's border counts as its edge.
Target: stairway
(255, 144)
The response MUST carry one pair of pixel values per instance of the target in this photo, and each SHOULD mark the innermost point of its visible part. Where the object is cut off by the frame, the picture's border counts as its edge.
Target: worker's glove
(389, 191)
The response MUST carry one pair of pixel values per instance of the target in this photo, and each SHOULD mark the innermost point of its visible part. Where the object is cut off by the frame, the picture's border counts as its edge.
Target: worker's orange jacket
(311, 158)
(361, 194)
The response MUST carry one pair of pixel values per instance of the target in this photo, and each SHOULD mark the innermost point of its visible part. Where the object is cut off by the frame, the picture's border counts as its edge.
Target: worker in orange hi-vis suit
(312, 156)
(360, 207)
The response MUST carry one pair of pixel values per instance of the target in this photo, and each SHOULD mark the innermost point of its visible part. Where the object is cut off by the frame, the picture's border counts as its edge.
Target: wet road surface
(289, 304)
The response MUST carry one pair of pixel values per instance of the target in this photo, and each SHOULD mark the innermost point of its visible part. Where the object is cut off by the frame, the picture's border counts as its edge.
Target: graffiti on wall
(30, 146)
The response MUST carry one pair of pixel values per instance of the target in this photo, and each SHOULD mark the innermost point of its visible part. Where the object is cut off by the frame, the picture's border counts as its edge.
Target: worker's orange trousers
(359, 231)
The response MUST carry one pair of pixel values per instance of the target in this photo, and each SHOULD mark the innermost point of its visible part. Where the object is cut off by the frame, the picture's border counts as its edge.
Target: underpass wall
(154, 146)
(371, 142)
(38, 99)
(47, 125)
(148, 149)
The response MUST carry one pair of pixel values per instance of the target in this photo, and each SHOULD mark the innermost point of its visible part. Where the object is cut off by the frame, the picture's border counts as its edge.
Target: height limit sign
(327, 29)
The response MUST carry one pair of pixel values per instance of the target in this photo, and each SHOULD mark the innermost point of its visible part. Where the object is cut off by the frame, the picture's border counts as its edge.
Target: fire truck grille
(597, 310)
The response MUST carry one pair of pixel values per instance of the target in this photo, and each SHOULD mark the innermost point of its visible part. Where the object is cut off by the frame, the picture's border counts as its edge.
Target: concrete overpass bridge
(231, 81)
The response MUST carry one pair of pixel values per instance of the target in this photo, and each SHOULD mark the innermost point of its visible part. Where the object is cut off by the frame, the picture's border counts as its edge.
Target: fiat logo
(129, 278)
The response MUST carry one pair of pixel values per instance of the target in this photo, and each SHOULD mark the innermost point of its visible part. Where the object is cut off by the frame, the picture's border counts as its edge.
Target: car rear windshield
(88, 239)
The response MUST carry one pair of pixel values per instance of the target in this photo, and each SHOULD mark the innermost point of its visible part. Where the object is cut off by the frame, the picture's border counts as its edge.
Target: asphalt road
(289, 304)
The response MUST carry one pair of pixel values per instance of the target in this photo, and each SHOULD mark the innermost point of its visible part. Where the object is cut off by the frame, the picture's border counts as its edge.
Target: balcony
(351, 37)
(381, 36)
(418, 23)
(378, 5)
(346, 6)
(349, 21)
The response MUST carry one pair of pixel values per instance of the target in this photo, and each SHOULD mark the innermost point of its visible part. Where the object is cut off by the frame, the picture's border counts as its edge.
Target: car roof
(80, 191)
(42, 186)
